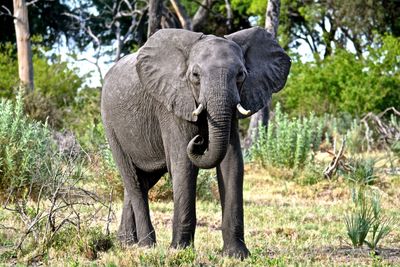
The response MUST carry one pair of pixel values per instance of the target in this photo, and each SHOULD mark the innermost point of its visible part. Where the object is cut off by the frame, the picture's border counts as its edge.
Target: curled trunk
(219, 124)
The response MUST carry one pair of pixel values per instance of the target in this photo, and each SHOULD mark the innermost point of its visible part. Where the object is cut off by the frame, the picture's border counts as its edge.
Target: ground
(287, 222)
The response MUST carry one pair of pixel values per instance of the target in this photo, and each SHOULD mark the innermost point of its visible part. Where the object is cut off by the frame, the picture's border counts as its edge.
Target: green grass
(286, 223)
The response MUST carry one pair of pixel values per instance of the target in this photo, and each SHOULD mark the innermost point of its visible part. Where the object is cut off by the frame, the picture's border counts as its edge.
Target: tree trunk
(25, 66)
(272, 16)
(262, 116)
(155, 13)
(183, 17)
(201, 15)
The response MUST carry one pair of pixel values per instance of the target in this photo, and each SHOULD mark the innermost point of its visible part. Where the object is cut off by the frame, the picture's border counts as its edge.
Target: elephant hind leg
(135, 220)
(127, 229)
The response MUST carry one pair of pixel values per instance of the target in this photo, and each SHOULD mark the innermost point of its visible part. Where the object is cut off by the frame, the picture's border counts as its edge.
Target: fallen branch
(337, 161)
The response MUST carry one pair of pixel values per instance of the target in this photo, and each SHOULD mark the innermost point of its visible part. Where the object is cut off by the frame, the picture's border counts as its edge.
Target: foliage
(8, 69)
(53, 78)
(84, 119)
(320, 24)
(26, 150)
(49, 212)
(287, 142)
(206, 188)
(361, 172)
(46, 17)
(42, 108)
(343, 83)
(359, 222)
(367, 218)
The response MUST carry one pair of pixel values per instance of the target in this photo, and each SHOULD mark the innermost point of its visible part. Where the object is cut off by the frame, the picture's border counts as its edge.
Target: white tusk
(243, 111)
(198, 110)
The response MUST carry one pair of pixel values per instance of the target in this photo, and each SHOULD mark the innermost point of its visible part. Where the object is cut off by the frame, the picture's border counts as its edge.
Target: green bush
(54, 80)
(26, 149)
(287, 142)
(84, 119)
(361, 171)
(344, 83)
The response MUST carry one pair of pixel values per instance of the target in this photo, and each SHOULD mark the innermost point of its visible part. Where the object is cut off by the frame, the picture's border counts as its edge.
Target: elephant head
(192, 73)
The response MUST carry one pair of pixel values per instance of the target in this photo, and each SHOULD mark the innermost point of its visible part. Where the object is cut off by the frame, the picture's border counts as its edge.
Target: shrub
(42, 108)
(206, 189)
(54, 80)
(360, 172)
(26, 149)
(341, 82)
(84, 119)
(287, 142)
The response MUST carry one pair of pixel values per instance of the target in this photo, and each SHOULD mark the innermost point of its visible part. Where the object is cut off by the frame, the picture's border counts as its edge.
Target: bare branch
(7, 13)
(331, 169)
(32, 2)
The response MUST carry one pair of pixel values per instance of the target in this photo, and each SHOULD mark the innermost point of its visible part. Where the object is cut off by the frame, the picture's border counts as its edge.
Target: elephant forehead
(217, 48)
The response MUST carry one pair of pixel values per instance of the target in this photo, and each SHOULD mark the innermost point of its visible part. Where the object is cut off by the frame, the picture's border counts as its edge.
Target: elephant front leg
(184, 190)
(230, 184)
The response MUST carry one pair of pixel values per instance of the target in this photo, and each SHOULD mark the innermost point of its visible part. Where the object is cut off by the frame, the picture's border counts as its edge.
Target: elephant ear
(161, 66)
(267, 66)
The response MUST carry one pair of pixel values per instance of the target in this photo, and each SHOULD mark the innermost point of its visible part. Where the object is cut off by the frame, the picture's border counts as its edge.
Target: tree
(45, 20)
(22, 34)
(155, 12)
(262, 116)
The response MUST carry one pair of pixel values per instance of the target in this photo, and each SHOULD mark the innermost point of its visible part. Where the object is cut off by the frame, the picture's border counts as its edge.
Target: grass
(286, 223)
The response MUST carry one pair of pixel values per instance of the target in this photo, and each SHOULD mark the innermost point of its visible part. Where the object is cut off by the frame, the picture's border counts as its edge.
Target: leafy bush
(26, 149)
(43, 108)
(287, 142)
(206, 189)
(84, 119)
(56, 84)
(360, 172)
(343, 83)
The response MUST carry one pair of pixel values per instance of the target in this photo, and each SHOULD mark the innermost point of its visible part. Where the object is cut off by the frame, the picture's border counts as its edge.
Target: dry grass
(286, 224)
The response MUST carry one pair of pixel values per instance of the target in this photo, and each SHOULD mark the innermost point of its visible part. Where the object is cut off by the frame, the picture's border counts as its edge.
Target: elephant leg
(135, 213)
(184, 175)
(230, 184)
(127, 229)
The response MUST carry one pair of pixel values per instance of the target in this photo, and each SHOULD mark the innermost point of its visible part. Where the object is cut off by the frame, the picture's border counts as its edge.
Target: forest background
(344, 84)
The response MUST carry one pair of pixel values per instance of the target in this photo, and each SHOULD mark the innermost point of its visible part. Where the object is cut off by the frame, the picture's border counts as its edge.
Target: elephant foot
(148, 241)
(237, 250)
(183, 242)
(127, 238)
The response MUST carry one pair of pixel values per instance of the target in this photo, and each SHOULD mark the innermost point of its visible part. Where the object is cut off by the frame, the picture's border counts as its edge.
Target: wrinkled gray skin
(147, 103)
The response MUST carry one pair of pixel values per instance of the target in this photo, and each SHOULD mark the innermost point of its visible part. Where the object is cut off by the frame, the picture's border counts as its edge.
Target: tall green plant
(287, 142)
(25, 149)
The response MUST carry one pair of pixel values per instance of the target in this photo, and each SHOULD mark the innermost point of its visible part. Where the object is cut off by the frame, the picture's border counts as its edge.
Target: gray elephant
(173, 107)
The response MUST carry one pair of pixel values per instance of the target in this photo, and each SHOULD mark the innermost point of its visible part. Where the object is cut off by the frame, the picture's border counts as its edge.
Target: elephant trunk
(219, 118)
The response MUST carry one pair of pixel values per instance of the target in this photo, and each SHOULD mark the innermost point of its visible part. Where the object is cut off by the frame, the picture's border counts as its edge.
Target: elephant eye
(241, 76)
(195, 77)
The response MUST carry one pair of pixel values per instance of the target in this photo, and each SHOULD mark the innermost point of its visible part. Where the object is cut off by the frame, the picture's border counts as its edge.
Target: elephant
(173, 107)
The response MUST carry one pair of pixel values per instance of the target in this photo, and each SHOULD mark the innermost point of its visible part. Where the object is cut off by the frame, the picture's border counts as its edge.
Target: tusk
(198, 110)
(243, 111)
